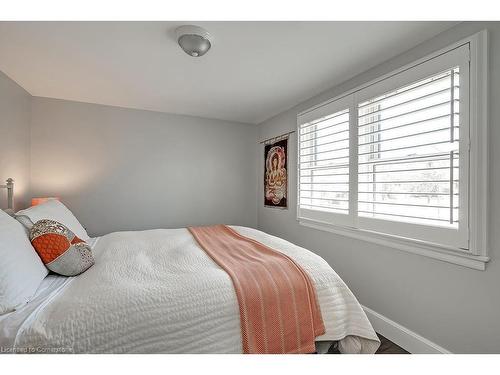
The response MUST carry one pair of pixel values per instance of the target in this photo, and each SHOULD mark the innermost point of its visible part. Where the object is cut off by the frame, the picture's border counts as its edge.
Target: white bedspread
(158, 292)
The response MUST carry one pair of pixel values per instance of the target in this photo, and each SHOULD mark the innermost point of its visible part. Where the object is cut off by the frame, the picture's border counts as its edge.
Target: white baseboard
(402, 336)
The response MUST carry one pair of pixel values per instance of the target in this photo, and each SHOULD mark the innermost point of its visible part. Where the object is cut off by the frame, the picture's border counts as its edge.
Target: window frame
(477, 146)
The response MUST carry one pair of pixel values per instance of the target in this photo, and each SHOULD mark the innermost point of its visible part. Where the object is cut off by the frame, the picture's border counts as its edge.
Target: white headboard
(10, 193)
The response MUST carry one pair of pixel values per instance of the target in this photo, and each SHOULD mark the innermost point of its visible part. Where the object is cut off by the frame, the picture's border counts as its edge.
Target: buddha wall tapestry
(276, 174)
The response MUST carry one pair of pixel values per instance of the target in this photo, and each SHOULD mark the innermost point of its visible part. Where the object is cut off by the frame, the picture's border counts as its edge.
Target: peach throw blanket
(279, 311)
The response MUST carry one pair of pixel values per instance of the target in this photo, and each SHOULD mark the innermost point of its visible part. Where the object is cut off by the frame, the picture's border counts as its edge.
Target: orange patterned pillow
(60, 250)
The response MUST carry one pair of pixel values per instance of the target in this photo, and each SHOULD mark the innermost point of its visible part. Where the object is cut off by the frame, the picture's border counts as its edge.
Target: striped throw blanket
(279, 311)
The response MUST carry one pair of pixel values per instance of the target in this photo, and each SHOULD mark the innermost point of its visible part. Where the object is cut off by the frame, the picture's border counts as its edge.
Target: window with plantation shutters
(392, 158)
(324, 154)
(408, 152)
(324, 161)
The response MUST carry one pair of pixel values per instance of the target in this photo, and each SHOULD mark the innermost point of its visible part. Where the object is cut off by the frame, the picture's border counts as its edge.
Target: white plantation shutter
(408, 152)
(323, 173)
(393, 157)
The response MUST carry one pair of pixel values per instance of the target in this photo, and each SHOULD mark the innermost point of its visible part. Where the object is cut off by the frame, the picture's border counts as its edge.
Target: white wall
(457, 308)
(125, 169)
(15, 109)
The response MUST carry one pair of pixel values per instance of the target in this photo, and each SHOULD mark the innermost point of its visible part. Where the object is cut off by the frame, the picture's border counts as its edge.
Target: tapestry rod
(277, 137)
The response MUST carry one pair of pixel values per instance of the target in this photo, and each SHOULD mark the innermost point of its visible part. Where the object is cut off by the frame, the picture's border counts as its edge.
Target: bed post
(10, 193)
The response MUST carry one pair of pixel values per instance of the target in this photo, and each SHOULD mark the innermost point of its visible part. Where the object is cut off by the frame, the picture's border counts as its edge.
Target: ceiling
(254, 70)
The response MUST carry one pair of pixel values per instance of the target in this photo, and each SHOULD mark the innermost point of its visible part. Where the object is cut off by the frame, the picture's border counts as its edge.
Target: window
(408, 153)
(324, 164)
(392, 158)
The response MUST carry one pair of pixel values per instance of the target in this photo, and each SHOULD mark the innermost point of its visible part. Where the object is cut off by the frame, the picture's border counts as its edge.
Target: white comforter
(157, 291)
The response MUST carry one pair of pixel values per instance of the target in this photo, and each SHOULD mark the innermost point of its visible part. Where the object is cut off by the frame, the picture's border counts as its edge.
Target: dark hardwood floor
(386, 347)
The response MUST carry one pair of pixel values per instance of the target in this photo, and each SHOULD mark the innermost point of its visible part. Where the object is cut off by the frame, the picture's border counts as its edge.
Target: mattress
(12, 323)
(157, 291)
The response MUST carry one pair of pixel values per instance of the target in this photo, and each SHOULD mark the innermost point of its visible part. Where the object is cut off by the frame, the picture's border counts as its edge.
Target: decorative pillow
(21, 270)
(55, 210)
(59, 248)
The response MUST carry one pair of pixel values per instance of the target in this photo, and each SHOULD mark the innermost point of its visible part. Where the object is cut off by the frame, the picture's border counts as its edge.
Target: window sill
(450, 255)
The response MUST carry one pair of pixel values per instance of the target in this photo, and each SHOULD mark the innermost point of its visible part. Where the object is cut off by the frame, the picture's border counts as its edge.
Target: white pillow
(55, 210)
(21, 269)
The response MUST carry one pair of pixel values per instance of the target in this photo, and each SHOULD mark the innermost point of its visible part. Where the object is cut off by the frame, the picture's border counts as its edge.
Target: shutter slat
(323, 144)
(404, 136)
(325, 175)
(327, 185)
(408, 159)
(403, 182)
(321, 167)
(406, 170)
(306, 205)
(403, 192)
(322, 160)
(326, 199)
(323, 119)
(407, 216)
(408, 124)
(313, 132)
(404, 204)
(413, 100)
(326, 191)
(442, 104)
(405, 91)
(322, 152)
(322, 136)
(404, 148)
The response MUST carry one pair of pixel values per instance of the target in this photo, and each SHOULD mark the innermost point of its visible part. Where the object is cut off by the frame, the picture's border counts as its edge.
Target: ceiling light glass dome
(194, 40)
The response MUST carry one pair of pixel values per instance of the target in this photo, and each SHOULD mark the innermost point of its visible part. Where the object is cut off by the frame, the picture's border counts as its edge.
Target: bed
(157, 291)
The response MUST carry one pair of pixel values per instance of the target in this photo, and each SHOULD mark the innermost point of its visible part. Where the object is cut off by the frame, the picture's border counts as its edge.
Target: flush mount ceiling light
(194, 40)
